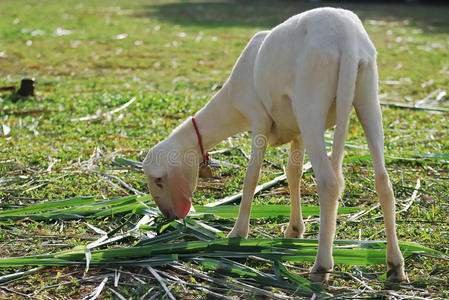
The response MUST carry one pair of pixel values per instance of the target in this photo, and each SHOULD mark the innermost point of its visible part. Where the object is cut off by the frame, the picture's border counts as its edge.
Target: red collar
(198, 135)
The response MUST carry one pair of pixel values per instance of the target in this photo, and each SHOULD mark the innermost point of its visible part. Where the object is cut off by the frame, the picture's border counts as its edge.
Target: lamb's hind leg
(295, 227)
(311, 118)
(328, 190)
(312, 96)
(369, 114)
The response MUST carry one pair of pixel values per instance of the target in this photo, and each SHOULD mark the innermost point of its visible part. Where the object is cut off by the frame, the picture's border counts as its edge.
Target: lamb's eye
(158, 182)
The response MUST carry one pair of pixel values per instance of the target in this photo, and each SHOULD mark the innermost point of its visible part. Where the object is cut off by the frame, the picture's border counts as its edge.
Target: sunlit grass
(90, 57)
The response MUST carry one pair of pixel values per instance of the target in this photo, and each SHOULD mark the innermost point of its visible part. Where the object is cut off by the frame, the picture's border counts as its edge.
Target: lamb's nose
(168, 214)
(165, 213)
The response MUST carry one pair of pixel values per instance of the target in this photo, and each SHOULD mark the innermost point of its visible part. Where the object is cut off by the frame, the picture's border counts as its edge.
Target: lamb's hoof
(396, 273)
(319, 274)
(237, 233)
(294, 232)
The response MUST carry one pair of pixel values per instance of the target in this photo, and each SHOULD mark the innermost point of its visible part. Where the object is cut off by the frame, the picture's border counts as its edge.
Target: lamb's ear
(180, 192)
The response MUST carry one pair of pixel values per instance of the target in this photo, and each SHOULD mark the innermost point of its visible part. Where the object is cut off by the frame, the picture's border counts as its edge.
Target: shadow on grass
(266, 14)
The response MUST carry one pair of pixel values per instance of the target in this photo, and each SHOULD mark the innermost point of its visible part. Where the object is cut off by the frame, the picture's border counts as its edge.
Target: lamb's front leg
(295, 227)
(259, 145)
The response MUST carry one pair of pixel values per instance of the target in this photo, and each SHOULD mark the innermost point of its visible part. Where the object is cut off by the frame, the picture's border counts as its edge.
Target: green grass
(172, 56)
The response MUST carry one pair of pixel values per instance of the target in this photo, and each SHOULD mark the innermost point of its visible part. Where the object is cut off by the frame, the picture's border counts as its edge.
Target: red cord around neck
(200, 141)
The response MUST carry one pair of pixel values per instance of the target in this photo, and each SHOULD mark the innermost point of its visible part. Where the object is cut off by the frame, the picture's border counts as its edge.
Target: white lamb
(288, 85)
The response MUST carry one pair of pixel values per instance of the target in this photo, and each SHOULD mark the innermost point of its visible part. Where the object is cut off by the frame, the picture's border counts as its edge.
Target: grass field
(91, 57)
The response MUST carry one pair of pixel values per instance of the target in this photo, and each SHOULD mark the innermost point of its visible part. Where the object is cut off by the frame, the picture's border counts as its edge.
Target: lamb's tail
(347, 77)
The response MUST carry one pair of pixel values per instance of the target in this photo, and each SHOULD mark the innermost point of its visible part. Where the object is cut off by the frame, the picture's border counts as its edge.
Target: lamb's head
(171, 178)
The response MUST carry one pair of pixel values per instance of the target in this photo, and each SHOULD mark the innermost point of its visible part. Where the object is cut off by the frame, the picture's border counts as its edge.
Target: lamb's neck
(216, 121)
